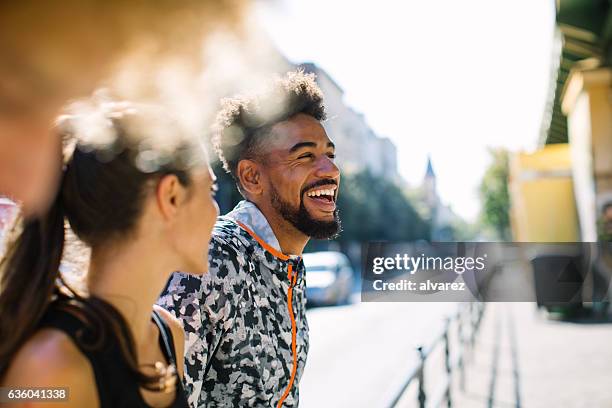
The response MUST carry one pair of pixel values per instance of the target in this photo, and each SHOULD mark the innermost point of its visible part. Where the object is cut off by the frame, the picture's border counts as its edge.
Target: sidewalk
(523, 359)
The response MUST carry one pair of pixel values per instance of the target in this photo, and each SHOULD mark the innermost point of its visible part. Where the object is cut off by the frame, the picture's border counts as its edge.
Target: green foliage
(466, 231)
(228, 195)
(494, 194)
(374, 209)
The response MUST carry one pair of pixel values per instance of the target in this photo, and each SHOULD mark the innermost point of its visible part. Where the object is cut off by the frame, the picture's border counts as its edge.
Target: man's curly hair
(244, 121)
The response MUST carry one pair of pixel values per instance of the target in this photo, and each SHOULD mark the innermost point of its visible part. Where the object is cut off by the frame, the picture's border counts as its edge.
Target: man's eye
(331, 155)
(306, 156)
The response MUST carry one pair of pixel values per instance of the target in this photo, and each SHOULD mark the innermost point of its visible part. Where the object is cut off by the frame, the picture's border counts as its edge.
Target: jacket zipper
(292, 281)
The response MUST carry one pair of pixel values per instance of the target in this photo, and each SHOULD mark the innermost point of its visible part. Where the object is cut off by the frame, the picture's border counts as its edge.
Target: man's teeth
(317, 193)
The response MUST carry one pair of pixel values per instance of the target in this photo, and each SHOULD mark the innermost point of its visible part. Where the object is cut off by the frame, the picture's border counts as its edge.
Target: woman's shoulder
(51, 359)
(178, 335)
(171, 320)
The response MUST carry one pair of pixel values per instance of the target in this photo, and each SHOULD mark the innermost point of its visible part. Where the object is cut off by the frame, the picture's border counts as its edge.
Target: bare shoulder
(51, 359)
(177, 334)
(173, 322)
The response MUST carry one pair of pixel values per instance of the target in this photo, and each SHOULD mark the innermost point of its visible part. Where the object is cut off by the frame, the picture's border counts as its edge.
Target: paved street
(360, 353)
(522, 358)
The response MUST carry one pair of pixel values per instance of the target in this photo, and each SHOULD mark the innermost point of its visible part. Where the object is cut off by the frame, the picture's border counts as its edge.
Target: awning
(583, 32)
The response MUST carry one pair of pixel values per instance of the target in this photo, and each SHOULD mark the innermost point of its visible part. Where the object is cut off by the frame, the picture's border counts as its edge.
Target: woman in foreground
(139, 192)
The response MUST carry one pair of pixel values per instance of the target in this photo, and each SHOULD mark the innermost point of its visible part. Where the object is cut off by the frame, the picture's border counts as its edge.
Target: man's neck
(291, 240)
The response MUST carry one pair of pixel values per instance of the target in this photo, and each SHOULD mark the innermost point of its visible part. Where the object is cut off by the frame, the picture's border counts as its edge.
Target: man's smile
(322, 197)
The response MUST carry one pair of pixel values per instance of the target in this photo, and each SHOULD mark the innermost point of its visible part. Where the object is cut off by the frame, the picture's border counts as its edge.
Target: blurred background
(471, 120)
(474, 121)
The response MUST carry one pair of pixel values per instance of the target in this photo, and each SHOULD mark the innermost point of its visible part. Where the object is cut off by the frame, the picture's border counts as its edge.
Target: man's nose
(327, 168)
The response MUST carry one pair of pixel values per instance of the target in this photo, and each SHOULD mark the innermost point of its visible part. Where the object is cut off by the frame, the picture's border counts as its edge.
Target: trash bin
(559, 280)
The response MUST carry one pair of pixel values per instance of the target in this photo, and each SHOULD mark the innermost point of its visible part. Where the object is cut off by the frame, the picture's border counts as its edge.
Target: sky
(446, 78)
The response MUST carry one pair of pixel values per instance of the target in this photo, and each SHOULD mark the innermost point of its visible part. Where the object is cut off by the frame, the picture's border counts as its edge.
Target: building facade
(358, 147)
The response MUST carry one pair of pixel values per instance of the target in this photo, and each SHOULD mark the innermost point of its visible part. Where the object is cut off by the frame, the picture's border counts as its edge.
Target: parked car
(329, 278)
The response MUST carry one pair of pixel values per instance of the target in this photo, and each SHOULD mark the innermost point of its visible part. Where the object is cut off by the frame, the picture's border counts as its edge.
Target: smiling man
(245, 321)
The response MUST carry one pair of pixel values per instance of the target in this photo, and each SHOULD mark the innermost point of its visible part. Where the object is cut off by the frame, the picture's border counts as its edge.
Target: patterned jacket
(245, 320)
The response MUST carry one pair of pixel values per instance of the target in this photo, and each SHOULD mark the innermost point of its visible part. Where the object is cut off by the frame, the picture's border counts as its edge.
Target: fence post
(481, 308)
(473, 320)
(447, 363)
(421, 376)
(461, 363)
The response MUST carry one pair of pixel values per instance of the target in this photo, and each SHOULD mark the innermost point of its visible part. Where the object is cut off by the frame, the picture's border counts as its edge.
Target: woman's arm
(50, 359)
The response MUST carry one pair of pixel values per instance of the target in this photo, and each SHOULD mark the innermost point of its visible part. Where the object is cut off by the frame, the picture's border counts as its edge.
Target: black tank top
(117, 388)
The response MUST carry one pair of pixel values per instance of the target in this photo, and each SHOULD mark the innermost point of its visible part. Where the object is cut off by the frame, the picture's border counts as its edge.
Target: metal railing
(472, 312)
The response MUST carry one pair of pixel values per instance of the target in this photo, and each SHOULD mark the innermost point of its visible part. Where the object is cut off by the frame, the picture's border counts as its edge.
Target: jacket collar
(248, 215)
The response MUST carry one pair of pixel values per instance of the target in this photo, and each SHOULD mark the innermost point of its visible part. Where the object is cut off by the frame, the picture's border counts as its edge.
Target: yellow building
(542, 196)
(580, 109)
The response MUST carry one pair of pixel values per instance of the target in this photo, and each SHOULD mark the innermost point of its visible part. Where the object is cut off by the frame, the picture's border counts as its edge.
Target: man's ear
(170, 194)
(249, 176)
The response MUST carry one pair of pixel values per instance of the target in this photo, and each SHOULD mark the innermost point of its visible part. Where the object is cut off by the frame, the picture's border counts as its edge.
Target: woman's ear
(170, 194)
(249, 176)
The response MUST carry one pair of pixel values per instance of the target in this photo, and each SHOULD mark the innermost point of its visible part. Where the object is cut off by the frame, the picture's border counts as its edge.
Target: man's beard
(302, 220)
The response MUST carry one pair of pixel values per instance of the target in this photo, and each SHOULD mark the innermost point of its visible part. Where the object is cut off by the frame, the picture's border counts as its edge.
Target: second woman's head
(133, 175)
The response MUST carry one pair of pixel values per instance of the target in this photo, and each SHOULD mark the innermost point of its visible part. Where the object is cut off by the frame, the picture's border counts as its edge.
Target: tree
(494, 194)
(376, 209)
(228, 195)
